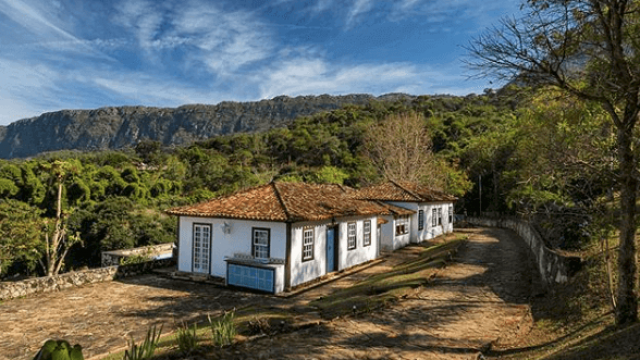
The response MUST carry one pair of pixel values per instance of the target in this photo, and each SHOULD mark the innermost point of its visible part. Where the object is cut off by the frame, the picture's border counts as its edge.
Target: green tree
(589, 49)
(20, 234)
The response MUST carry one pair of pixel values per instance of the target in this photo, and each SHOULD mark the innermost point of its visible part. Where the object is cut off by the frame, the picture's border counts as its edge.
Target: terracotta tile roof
(395, 210)
(285, 202)
(402, 191)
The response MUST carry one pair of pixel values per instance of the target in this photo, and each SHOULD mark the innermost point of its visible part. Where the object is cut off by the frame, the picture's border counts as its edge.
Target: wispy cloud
(317, 76)
(358, 8)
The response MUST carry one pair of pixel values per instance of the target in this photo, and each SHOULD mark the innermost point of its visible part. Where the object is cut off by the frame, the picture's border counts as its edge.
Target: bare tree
(591, 49)
(400, 147)
(57, 241)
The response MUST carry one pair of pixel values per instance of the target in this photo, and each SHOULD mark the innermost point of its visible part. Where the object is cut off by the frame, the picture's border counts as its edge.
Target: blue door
(331, 249)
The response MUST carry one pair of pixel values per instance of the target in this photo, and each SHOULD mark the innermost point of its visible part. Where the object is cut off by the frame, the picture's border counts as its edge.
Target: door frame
(336, 248)
(193, 247)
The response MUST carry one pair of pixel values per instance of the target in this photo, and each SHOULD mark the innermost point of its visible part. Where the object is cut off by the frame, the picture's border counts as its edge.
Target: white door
(201, 248)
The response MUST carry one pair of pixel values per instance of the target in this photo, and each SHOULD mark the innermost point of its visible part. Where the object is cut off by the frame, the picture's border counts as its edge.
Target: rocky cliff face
(120, 127)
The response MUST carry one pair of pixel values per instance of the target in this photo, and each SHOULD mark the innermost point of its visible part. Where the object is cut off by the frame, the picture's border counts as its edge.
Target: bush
(146, 349)
(187, 338)
(59, 350)
(223, 330)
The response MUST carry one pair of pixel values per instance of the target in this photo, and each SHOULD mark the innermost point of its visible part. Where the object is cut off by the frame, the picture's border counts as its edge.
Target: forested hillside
(115, 199)
(120, 127)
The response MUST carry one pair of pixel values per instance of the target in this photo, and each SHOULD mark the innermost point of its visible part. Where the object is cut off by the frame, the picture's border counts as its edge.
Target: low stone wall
(554, 268)
(12, 290)
(113, 257)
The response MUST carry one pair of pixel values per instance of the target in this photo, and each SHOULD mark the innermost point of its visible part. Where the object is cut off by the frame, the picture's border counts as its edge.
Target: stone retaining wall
(113, 257)
(554, 268)
(12, 290)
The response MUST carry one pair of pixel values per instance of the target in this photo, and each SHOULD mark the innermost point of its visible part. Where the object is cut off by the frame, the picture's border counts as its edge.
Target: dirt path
(102, 317)
(480, 300)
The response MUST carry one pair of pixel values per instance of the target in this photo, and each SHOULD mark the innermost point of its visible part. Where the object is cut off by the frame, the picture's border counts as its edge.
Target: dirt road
(479, 300)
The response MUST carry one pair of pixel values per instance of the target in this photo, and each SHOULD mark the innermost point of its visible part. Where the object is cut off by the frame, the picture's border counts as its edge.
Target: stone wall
(113, 257)
(554, 268)
(12, 290)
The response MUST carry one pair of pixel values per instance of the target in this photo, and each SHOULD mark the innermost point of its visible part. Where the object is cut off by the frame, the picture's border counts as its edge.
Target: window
(434, 217)
(439, 216)
(450, 214)
(351, 236)
(420, 219)
(260, 241)
(402, 225)
(307, 244)
(366, 240)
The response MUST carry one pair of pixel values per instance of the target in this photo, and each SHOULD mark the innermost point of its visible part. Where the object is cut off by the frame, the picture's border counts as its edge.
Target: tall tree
(590, 49)
(57, 241)
(400, 147)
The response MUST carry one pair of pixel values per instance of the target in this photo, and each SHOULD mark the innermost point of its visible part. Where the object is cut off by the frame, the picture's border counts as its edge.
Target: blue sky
(85, 54)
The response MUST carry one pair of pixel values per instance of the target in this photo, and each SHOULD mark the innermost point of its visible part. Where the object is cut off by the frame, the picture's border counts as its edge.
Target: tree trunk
(627, 309)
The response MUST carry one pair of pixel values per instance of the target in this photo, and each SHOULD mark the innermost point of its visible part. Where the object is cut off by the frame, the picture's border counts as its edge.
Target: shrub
(187, 338)
(59, 350)
(223, 330)
(146, 349)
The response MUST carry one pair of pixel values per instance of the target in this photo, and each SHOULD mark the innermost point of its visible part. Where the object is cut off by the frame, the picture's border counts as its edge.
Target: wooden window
(439, 216)
(420, 219)
(261, 241)
(366, 240)
(450, 214)
(434, 217)
(307, 244)
(402, 225)
(352, 236)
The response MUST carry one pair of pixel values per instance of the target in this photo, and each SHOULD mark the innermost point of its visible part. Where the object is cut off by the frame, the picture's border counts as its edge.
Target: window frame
(450, 214)
(420, 219)
(440, 216)
(355, 235)
(253, 242)
(402, 225)
(434, 217)
(311, 246)
(366, 235)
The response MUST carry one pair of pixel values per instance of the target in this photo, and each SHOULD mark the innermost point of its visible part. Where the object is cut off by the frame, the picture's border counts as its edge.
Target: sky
(86, 54)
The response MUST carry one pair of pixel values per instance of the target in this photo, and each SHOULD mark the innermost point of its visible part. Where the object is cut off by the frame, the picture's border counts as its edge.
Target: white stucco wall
(237, 241)
(431, 231)
(387, 233)
(302, 272)
(348, 258)
(415, 235)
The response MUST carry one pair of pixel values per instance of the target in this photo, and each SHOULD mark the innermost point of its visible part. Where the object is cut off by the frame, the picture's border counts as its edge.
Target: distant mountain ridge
(121, 127)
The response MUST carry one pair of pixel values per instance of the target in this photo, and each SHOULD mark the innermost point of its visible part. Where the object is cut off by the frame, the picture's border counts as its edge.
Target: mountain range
(122, 127)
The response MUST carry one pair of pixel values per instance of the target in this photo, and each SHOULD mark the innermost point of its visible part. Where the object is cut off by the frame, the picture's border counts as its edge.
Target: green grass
(377, 291)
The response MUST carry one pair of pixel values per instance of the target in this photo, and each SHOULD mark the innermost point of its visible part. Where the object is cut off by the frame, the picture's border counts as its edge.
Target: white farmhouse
(279, 235)
(431, 212)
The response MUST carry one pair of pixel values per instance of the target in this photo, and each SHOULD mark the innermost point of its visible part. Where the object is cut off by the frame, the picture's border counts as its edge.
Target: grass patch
(377, 291)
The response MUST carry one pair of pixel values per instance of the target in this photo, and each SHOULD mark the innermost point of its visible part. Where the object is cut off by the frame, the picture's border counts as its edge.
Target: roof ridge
(417, 196)
(281, 200)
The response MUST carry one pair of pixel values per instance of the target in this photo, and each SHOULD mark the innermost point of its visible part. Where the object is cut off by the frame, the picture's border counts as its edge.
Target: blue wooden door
(331, 249)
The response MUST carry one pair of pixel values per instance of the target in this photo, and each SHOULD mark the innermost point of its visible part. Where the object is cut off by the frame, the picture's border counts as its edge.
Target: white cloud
(358, 8)
(32, 19)
(24, 91)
